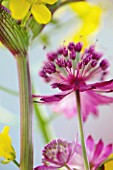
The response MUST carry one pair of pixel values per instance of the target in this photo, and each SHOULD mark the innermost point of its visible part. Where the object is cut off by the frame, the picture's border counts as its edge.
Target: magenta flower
(97, 153)
(68, 69)
(58, 154)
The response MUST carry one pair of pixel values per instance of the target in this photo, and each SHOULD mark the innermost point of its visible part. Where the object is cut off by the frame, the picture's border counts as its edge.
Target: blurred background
(68, 24)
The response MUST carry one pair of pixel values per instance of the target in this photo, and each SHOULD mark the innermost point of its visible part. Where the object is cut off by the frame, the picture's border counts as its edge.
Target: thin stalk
(86, 163)
(26, 18)
(67, 167)
(9, 91)
(26, 148)
(16, 163)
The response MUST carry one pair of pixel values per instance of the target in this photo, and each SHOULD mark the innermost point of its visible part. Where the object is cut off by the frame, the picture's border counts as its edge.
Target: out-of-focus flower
(90, 15)
(41, 13)
(6, 149)
(97, 153)
(109, 164)
(69, 70)
(57, 154)
(60, 153)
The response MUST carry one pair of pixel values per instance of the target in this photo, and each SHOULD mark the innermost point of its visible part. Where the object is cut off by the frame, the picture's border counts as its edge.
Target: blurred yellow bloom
(90, 15)
(6, 149)
(21, 8)
(109, 165)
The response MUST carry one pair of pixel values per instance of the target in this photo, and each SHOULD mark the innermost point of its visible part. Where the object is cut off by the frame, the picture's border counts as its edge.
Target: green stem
(7, 90)
(26, 148)
(26, 18)
(86, 164)
(67, 167)
(16, 163)
(43, 124)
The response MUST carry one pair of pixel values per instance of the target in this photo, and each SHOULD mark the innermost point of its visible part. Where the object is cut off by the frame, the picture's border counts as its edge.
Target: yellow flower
(21, 8)
(109, 165)
(90, 15)
(6, 149)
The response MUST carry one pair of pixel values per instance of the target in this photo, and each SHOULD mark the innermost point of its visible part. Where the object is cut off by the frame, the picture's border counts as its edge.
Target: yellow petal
(41, 13)
(50, 1)
(19, 8)
(90, 16)
(5, 130)
(6, 149)
(109, 165)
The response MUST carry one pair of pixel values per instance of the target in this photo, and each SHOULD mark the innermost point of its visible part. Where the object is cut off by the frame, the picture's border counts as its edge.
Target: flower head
(69, 70)
(6, 149)
(56, 154)
(60, 153)
(97, 153)
(38, 9)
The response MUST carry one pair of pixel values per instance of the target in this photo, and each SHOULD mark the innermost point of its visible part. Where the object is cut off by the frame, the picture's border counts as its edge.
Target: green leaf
(9, 91)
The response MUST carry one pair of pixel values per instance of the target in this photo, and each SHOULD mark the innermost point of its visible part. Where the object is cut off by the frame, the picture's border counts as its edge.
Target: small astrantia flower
(68, 69)
(97, 153)
(58, 154)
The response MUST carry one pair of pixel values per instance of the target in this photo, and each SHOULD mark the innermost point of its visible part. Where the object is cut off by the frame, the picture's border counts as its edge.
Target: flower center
(67, 64)
(56, 151)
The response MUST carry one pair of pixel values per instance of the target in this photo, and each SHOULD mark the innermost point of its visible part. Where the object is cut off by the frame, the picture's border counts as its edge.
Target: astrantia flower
(57, 154)
(97, 153)
(6, 149)
(60, 153)
(69, 70)
(38, 8)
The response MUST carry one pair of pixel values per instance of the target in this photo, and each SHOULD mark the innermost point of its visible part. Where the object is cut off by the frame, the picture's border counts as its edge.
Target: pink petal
(106, 152)
(76, 162)
(67, 106)
(98, 150)
(93, 101)
(44, 167)
(52, 98)
(106, 86)
(61, 157)
(62, 87)
(90, 143)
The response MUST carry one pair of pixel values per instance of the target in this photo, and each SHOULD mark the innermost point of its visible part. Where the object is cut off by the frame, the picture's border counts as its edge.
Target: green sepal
(12, 35)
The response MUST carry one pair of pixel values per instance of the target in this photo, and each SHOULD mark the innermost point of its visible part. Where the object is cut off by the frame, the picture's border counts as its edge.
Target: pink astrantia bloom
(68, 69)
(97, 153)
(58, 154)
